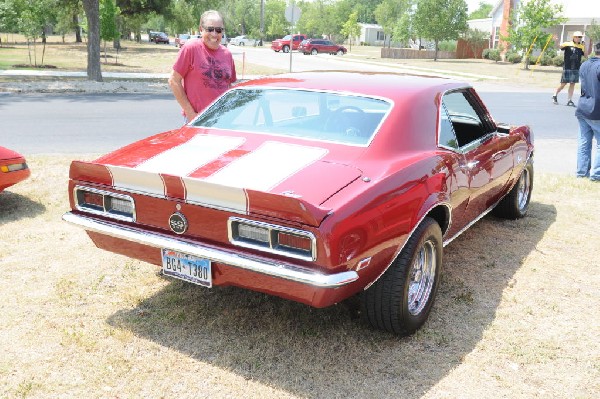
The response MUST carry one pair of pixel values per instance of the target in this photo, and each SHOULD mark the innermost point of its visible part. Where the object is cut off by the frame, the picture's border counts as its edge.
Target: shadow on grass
(314, 352)
(15, 207)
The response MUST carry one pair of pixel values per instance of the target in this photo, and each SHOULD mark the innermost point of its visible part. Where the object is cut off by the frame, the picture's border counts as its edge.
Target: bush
(547, 59)
(514, 57)
(494, 55)
(485, 54)
(447, 45)
(551, 53)
(558, 61)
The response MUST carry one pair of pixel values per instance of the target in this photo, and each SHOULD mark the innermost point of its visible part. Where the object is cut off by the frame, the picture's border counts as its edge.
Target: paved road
(91, 123)
(98, 123)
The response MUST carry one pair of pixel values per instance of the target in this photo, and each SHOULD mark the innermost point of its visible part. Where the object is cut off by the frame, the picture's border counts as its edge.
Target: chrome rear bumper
(260, 265)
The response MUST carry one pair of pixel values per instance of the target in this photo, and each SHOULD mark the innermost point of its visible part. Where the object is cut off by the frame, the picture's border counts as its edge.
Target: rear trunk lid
(271, 178)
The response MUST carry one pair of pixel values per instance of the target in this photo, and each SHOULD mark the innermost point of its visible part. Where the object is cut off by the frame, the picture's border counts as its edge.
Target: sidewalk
(76, 82)
(64, 74)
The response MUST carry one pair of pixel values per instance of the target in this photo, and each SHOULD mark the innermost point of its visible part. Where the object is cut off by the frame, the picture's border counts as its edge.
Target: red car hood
(238, 173)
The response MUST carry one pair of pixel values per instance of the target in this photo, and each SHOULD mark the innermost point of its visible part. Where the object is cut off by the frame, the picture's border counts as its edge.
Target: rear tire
(401, 300)
(516, 202)
(314, 51)
(286, 49)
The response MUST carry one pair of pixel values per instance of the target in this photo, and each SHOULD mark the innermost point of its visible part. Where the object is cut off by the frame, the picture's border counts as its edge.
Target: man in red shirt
(204, 69)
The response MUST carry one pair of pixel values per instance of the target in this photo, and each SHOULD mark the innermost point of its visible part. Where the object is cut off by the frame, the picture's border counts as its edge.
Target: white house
(371, 34)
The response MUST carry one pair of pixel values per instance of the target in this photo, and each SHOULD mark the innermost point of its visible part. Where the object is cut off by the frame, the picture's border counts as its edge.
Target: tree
(68, 18)
(182, 18)
(394, 16)
(242, 16)
(34, 17)
(92, 12)
(9, 16)
(483, 11)
(593, 32)
(137, 7)
(320, 17)
(441, 20)
(528, 24)
(351, 28)
(275, 21)
(108, 23)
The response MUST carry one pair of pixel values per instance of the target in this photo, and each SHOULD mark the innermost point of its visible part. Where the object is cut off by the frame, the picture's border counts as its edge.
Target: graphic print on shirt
(216, 74)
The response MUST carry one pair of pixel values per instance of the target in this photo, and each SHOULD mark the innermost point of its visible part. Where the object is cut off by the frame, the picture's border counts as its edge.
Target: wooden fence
(463, 50)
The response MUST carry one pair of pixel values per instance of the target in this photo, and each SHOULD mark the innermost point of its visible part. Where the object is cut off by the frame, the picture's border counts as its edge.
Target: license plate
(186, 267)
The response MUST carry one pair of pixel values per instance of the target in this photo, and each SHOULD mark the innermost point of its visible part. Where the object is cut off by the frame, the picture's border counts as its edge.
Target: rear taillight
(272, 238)
(104, 203)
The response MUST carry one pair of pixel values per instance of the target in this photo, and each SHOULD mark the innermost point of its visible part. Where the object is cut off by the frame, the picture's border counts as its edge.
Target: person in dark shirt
(588, 115)
(573, 51)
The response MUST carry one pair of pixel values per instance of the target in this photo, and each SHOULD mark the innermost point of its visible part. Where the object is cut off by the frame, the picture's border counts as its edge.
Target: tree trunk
(77, 28)
(92, 12)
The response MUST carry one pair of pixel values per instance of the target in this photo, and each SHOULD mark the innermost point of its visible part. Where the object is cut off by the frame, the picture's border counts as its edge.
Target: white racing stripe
(191, 155)
(261, 170)
(215, 195)
(267, 166)
(135, 180)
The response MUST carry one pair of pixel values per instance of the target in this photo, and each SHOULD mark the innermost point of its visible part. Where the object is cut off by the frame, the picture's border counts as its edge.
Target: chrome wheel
(422, 277)
(523, 190)
(516, 202)
(401, 299)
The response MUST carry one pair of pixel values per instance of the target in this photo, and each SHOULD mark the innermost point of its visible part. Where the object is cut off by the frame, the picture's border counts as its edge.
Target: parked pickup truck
(284, 44)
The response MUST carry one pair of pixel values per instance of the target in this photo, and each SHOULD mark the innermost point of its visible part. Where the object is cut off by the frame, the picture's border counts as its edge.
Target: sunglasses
(213, 29)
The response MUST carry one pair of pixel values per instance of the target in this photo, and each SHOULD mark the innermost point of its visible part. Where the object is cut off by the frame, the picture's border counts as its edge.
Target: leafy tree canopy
(483, 11)
(529, 22)
(593, 31)
(132, 7)
(395, 18)
(440, 20)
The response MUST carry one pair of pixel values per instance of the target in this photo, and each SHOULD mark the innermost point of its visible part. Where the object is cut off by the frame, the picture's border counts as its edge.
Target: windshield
(314, 115)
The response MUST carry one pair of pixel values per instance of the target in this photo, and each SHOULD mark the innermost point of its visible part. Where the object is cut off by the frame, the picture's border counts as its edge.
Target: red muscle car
(316, 187)
(13, 168)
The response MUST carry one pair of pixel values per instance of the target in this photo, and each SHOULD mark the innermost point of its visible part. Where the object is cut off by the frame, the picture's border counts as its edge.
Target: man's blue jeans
(588, 129)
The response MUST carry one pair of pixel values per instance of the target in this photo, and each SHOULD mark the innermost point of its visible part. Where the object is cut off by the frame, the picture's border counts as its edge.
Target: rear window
(314, 115)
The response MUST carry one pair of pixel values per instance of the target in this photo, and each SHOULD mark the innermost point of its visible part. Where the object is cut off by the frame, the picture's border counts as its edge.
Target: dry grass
(517, 316)
(132, 58)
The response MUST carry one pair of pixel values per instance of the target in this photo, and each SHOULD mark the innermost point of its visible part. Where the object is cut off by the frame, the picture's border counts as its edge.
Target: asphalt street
(98, 123)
